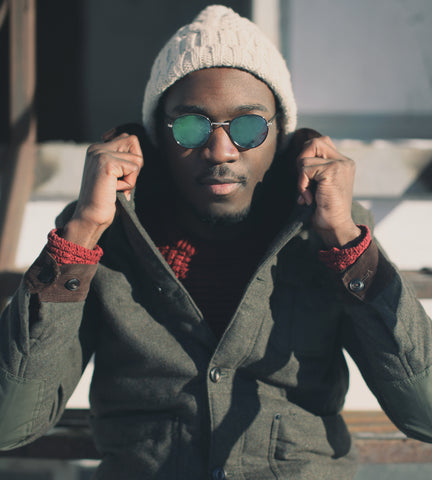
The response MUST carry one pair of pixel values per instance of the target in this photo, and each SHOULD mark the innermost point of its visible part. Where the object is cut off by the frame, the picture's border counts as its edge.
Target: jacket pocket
(144, 446)
(304, 446)
(302, 434)
(20, 401)
(273, 445)
(293, 465)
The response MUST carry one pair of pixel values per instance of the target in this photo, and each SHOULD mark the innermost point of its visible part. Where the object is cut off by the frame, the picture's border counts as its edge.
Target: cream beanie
(219, 37)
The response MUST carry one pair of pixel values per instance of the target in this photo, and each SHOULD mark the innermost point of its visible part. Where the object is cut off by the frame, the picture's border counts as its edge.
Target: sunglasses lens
(249, 131)
(191, 131)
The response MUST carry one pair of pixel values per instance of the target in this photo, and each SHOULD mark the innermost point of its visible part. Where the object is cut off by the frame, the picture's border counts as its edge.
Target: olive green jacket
(171, 401)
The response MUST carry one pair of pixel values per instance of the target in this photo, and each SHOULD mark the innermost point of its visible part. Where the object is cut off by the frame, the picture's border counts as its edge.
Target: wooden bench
(377, 440)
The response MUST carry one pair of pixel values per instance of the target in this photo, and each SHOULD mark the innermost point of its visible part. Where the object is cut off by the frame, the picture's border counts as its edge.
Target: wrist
(83, 233)
(339, 237)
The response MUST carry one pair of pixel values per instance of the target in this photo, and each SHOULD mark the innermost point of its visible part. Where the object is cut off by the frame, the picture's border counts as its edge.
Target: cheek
(181, 166)
(177, 159)
(264, 160)
(272, 141)
(171, 148)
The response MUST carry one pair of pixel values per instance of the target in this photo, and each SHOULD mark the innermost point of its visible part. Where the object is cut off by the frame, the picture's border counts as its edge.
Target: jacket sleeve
(44, 347)
(388, 334)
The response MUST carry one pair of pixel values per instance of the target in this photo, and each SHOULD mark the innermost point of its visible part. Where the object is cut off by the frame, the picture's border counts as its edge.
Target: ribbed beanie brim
(219, 37)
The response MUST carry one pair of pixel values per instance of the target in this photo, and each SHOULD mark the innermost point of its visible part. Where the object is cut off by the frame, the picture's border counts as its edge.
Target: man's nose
(219, 147)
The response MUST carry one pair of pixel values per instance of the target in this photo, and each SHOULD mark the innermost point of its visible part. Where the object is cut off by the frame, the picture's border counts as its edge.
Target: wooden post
(18, 173)
(3, 11)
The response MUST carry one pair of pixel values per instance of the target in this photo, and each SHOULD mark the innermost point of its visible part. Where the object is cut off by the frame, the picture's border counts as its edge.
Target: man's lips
(222, 188)
(220, 185)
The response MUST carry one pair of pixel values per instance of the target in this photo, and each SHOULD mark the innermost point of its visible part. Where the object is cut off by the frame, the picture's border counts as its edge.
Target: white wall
(360, 68)
(361, 56)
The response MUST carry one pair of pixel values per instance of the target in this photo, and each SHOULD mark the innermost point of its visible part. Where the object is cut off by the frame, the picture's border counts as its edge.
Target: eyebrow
(182, 109)
(249, 108)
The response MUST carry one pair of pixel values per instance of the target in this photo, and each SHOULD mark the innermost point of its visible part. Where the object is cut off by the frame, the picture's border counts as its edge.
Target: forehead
(217, 90)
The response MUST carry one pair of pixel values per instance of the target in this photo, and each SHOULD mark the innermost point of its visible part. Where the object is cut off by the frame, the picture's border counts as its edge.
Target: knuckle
(94, 156)
(100, 158)
(311, 141)
(135, 168)
(301, 163)
(92, 148)
(337, 167)
(133, 140)
(348, 163)
(119, 136)
(110, 168)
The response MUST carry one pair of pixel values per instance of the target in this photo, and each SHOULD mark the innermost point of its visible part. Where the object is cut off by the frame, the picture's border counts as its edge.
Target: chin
(218, 218)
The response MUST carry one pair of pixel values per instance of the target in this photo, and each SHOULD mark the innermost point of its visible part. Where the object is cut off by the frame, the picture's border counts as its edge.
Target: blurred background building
(361, 71)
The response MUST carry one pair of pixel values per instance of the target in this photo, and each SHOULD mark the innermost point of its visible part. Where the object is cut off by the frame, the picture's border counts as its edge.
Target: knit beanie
(219, 37)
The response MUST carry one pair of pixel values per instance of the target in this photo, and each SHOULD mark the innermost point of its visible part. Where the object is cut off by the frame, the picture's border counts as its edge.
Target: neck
(214, 231)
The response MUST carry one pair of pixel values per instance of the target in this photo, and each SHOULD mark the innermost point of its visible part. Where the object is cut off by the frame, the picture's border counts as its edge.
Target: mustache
(221, 171)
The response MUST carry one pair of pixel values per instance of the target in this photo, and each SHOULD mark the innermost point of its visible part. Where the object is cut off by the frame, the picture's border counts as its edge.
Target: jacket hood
(153, 188)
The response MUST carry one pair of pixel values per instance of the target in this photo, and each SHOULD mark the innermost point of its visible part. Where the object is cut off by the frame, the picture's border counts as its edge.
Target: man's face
(216, 182)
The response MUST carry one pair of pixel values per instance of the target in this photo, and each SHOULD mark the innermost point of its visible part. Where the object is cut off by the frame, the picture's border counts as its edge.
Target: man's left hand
(327, 177)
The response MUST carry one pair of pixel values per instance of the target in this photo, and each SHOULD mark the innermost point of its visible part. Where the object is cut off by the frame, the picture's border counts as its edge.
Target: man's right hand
(109, 167)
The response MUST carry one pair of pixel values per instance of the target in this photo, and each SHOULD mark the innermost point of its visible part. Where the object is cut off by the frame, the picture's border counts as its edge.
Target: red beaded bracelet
(339, 259)
(65, 252)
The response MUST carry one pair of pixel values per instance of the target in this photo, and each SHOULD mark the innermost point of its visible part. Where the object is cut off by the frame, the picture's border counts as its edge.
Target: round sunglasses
(246, 131)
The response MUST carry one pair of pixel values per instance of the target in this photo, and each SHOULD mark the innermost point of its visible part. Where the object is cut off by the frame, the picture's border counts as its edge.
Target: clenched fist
(328, 177)
(109, 167)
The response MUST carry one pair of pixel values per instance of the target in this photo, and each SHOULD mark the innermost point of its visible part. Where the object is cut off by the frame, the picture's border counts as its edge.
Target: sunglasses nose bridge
(219, 147)
(224, 125)
(215, 125)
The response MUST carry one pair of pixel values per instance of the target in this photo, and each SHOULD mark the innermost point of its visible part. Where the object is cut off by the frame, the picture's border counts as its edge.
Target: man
(234, 270)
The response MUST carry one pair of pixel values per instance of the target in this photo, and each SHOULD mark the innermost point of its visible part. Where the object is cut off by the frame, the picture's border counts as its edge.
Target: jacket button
(72, 284)
(219, 474)
(215, 375)
(356, 285)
